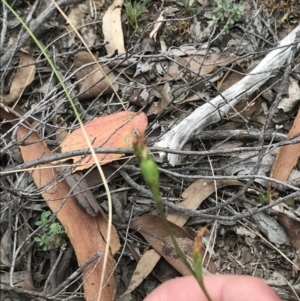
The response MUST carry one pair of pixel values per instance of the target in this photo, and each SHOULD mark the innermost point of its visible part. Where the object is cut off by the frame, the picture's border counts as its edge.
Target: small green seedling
(291, 202)
(227, 13)
(265, 197)
(133, 9)
(150, 173)
(190, 6)
(53, 233)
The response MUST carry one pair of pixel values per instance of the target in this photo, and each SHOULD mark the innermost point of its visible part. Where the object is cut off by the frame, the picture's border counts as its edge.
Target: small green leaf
(37, 239)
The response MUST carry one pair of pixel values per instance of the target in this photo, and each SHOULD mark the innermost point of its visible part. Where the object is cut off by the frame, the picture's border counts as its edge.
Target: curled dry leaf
(288, 103)
(93, 81)
(198, 243)
(112, 131)
(112, 29)
(84, 196)
(85, 232)
(157, 26)
(24, 77)
(164, 102)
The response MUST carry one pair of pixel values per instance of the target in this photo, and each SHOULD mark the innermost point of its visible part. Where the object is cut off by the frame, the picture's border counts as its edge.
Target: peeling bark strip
(218, 107)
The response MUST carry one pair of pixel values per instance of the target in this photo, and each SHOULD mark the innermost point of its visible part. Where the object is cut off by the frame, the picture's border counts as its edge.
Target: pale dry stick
(52, 271)
(4, 26)
(214, 110)
(109, 200)
(15, 253)
(291, 287)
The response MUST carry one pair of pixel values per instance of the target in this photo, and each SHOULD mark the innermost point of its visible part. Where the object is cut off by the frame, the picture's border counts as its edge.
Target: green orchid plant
(150, 174)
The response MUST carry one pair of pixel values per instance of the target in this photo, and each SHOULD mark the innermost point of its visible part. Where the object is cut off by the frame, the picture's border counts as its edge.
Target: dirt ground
(235, 170)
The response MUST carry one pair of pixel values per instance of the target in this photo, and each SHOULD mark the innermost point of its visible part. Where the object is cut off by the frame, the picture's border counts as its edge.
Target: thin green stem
(198, 276)
(151, 175)
(170, 232)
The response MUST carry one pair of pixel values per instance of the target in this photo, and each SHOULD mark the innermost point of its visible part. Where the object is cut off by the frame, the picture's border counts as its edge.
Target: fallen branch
(218, 107)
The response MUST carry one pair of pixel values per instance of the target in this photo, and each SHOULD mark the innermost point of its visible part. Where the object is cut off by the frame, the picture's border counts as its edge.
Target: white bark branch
(215, 109)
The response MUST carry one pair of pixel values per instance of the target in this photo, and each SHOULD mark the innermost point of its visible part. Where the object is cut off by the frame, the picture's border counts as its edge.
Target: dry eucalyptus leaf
(46, 86)
(195, 194)
(174, 71)
(91, 80)
(188, 67)
(4, 262)
(203, 65)
(112, 28)
(112, 131)
(18, 278)
(24, 77)
(142, 270)
(288, 103)
(162, 93)
(87, 234)
(140, 97)
(288, 155)
(153, 230)
(79, 16)
(235, 74)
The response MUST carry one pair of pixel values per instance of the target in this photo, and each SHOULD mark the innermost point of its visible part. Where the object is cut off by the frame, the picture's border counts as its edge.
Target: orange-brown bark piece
(112, 131)
(288, 155)
(82, 229)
